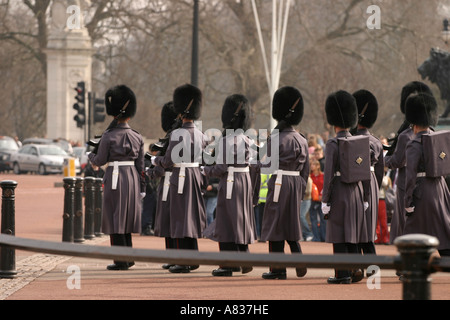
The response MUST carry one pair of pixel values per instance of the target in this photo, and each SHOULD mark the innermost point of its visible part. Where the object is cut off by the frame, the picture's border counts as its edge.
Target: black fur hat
(168, 116)
(284, 100)
(421, 110)
(116, 98)
(230, 107)
(183, 96)
(412, 88)
(341, 110)
(367, 103)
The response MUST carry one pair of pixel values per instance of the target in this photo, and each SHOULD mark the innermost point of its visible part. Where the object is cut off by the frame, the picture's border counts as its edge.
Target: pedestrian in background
(259, 209)
(318, 223)
(304, 211)
(150, 201)
(211, 198)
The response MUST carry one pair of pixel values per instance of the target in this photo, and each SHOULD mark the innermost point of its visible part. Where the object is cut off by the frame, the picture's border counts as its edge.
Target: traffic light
(80, 105)
(99, 110)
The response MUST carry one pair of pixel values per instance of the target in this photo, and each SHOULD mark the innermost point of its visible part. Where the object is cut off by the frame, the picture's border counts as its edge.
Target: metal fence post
(68, 215)
(98, 206)
(89, 208)
(78, 219)
(8, 226)
(415, 251)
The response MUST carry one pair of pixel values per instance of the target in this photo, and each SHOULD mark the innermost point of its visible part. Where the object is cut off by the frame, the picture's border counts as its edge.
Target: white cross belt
(182, 174)
(230, 178)
(166, 185)
(279, 180)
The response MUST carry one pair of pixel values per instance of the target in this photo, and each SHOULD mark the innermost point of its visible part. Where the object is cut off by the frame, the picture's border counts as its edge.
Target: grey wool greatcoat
(372, 187)
(398, 161)
(430, 196)
(162, 214)
(346, 218)
(121, 207)
(235, 219)
(187, 210)
(281, 220)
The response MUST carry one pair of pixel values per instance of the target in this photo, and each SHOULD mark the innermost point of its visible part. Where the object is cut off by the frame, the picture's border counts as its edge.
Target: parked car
(8, 146)
(41, 158)
(80, 153)
(64, 144)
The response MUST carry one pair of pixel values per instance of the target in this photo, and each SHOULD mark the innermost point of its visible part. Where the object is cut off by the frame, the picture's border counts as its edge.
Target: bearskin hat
(412, 88)
(421, 110)
(229, 109)
(182, 98)
(116, 98)
(367, 108)
(341, 110)
(284, 100)
(168, 116)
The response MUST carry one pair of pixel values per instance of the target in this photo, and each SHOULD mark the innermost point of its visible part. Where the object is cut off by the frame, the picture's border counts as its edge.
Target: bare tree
(147, 45)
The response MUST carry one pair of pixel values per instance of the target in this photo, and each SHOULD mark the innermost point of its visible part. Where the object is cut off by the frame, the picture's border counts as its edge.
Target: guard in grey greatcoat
(124, 181)
(234, 225)
(342, 202)
(427, 199)
(397, 160)
(368, 112)
(162, 216)
(286, 187)
(184, 157)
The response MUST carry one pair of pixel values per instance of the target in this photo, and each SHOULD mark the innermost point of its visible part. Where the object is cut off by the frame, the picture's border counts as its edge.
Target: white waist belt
(230, 178)
(115, 173)
(166, 185)
(182, 175)
(338, 173)
(421, 175)
(279, 180)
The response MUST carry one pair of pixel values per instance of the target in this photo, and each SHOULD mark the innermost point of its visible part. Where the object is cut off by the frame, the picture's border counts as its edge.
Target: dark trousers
(231, 246)
(121, 240)
(170, 243)
(185, 243)
(344, 248)
(278, 246)
(367, 248)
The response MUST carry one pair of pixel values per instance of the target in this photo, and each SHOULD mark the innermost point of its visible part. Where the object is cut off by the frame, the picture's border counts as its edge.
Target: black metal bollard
(415, 251)
(89, 208)
(98, 211)
(78, 209)
(8, 226)
(69, 204)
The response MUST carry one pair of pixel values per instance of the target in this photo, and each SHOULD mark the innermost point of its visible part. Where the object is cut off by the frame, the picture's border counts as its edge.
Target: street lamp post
(194, 63)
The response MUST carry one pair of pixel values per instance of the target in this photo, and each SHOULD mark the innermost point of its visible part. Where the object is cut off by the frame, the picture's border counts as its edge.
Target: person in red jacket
(318, 223)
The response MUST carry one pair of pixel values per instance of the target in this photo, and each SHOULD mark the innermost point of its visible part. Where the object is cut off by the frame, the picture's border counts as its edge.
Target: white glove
(142, 194)
(366, 205)
(202, 170)
(153, 160)
(325, 208)
(410, 210)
